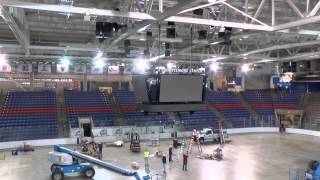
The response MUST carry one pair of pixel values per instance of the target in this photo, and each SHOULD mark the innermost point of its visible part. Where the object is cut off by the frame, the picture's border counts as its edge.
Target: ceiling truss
(261, 27)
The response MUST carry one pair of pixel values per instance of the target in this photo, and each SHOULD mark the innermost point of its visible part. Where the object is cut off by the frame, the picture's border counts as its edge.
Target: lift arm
(97, 162)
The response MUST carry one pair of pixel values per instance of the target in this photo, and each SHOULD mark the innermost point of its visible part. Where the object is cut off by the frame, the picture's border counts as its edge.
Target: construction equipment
(195, 140)
(66, 162)
(135, 142)
(87, 144)
(216, 155)
(313, 171)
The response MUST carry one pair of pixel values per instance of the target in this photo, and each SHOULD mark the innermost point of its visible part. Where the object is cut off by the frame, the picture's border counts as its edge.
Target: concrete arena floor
(247, 157)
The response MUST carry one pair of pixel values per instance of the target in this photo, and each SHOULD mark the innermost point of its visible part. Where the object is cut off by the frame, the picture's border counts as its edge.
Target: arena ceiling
(262, 30)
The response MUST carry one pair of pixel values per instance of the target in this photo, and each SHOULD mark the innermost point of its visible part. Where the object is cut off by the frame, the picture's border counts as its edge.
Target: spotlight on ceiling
(171, 65)
(98, 60)
(214, 67)
(141, 65)
(65, 61)
(99, 55)
(99, 63)
(245, 68)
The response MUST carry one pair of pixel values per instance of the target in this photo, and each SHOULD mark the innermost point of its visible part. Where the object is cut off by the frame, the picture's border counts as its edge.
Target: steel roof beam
(20, 33)
(300, 22)
(314, 10)
(182, 4)
(294, 8)
(219, 23)
(244, 14)
(284, 46)
(297, 57)
(74, 10)
(201, 6)
(259, 9)
(179, 9)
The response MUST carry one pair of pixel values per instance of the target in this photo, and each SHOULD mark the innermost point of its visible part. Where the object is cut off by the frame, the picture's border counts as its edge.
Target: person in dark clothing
(164, 162)
(170, 153)
(185, 161)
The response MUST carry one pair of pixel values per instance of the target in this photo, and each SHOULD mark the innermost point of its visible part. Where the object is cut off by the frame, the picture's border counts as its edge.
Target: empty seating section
(287, 100)
(198, 119)
(127, 102)
(261, 101)
(89, 104)
(230, 107)
(32, 115)
(28, 115)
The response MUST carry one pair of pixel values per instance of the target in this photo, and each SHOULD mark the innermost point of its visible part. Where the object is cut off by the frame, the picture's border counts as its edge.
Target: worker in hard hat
(146, 155)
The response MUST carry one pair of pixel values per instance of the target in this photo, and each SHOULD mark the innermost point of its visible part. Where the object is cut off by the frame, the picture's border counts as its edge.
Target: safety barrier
(50, 142)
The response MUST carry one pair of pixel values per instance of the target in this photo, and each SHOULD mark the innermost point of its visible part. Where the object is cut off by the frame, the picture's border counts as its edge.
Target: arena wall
(50, 142)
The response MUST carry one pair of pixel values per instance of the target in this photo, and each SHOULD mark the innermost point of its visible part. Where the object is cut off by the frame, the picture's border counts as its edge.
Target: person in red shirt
(185, 161)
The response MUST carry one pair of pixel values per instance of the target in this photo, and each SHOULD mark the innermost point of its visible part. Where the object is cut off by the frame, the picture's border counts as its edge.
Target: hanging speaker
(126, 43)
(99, 29)
(221, 34)
(228, 28)
(149, 34)
(167, 53)
(170, 23)
(101, 40)
(116, 26)
(107, 30)
(202, 34)
(167, 45)
(171, 32)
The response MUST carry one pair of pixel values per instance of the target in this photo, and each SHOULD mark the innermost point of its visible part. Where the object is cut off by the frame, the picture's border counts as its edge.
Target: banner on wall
(96, 70)
(62, 68)
(96, 132)
(51, 85)
(80, 68)
(5, 67)
(75, 84)
(44, 68)
(113, 70)
(186, 70)
(24, 68)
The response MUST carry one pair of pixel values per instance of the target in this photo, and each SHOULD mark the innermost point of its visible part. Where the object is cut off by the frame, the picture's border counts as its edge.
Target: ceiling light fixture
(245, 68)
(214, 67)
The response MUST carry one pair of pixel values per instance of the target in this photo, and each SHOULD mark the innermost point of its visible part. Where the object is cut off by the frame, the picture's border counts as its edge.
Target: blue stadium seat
(28, 116)
(92, 104)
